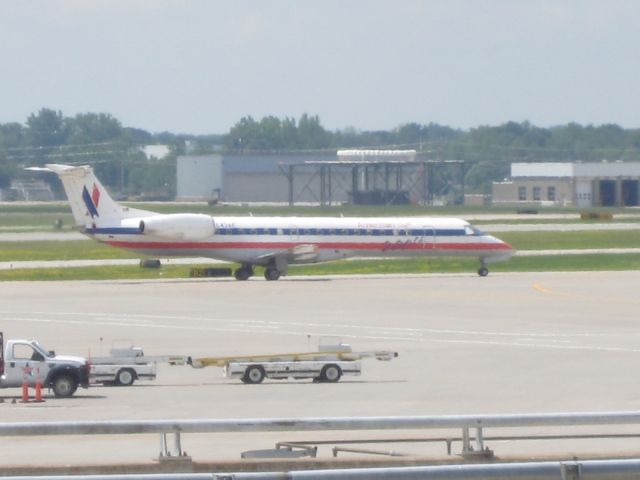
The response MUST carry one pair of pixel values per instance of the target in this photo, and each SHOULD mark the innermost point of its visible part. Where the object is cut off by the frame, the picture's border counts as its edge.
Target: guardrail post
(479, 439)
(176, 454)
(571, 471)
(467, 449)
(177, 445)
(164, 451)
(466, 443)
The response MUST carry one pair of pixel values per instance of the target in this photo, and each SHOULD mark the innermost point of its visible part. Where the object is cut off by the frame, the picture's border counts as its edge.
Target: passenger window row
(340, 232)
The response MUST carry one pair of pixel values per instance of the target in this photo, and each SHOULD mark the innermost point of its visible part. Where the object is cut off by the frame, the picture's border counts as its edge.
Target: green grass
(545, 240)
(566, 263)
(35, 208)
(94, 273)
(36, 222)
(60, 250)
(457, 265)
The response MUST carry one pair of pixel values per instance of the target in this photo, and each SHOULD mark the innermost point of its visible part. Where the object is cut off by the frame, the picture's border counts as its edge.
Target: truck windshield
(36, 346)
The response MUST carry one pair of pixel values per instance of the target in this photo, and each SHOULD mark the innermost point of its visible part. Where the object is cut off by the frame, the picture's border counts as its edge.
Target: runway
(508, 343)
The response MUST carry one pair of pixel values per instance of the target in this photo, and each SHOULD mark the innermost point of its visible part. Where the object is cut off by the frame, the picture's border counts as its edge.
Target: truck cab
(28, 361)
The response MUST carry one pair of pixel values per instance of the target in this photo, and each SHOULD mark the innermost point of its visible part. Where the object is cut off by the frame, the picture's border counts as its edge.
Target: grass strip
(555, 263)
(551, 240)
(60, 250)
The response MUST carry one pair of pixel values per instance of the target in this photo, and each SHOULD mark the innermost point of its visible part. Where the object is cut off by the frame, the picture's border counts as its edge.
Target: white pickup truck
(124, 366)
(27, 361)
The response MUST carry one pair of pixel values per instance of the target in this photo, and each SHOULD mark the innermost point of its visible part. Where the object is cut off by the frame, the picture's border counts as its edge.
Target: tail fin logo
(91, 200)
(95, 195)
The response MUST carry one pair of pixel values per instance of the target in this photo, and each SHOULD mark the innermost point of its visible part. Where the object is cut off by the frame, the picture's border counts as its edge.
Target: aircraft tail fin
(90, 201)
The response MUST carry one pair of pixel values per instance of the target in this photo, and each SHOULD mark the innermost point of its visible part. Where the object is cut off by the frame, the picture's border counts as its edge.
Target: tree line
(114, 150)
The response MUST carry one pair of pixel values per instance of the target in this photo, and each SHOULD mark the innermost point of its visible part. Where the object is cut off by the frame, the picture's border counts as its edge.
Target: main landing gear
(271, 273)
(246, 271)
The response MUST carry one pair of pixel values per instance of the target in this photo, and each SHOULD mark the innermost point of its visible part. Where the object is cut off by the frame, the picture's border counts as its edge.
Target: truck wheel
(330, 373)
(64, 386)
(125, 377)
(254, 374)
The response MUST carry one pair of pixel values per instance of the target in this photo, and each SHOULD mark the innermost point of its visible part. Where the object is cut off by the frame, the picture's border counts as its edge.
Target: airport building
(353, 176)
(578, 184)
(247, 177)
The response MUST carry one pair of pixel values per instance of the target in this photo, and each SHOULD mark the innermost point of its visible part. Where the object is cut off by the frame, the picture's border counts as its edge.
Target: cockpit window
(471, 230)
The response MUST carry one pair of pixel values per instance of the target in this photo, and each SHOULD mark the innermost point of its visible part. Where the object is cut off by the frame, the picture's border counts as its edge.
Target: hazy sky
(198, 66)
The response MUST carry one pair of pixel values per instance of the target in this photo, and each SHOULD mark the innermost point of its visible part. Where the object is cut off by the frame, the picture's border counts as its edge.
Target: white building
(199, 177)
(245, 178)
(157, 152)
(603, 184)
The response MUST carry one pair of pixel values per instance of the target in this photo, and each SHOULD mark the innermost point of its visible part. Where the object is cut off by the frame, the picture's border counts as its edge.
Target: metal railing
(584, 470)
(470, 445)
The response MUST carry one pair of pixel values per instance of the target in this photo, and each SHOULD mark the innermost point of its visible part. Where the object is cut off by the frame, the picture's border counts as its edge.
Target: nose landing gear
(483, 271)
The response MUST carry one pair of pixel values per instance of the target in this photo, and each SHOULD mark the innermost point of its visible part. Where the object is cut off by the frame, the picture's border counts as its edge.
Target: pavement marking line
(387, 338)
(142, 321)
(540, 288)
(587, 298)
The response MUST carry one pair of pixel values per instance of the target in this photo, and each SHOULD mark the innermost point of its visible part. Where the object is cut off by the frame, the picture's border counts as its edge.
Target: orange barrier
(25, 392)
(39, 392)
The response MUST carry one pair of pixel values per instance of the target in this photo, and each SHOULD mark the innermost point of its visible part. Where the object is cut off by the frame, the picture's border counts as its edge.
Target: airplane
(270, 242)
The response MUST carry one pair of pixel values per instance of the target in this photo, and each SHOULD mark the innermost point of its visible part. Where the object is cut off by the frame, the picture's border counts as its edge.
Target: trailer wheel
(125, 377)
(330, 373)
(254, 374)
(64, 386)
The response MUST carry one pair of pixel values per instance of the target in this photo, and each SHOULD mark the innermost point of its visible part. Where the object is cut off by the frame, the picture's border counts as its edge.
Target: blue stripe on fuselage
(300, 232)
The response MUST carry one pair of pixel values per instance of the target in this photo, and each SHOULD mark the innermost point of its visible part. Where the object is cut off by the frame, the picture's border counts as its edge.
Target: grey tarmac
(508, 343)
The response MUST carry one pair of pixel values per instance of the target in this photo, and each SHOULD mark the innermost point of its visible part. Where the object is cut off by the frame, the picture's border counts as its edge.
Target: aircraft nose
(500, 249)
(505, 247)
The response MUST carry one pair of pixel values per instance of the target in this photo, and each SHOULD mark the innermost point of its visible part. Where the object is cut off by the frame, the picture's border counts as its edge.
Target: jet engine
(174, 226)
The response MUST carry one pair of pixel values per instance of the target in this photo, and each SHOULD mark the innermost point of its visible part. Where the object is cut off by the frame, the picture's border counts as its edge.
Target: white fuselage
(314, 239)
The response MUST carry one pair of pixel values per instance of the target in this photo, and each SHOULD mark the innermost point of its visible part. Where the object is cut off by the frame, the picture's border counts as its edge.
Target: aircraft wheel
(483, 271)
(242, 273)
(272, 273)
(331, 373)
(254, 374)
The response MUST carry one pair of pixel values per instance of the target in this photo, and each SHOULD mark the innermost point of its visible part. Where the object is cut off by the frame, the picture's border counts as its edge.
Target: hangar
(250, 177)
(355, 176)
(583, 185)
